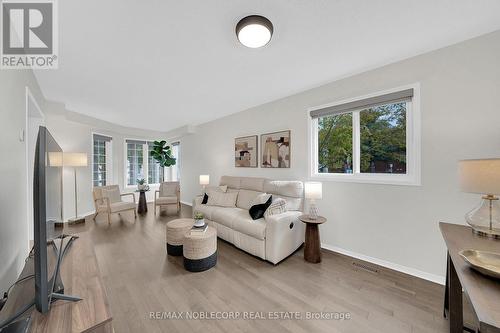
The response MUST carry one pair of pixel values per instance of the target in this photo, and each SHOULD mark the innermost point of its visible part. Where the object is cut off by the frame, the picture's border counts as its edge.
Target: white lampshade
(204, 179)
(55, 159)
(480, 176)
(313, 190)
(75, 159)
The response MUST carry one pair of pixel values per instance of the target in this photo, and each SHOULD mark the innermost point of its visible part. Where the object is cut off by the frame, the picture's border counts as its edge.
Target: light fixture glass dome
(254, 31)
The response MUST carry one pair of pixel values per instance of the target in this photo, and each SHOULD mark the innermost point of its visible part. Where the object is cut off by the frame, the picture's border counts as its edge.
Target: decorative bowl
(487, 263)
(199, 223)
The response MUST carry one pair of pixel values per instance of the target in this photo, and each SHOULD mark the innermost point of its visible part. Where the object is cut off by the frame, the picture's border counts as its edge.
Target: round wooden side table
(143, 205)
(312, 250)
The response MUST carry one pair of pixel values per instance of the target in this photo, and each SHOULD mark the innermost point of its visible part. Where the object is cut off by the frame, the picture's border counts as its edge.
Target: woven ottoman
(200, 250)
(176, 230)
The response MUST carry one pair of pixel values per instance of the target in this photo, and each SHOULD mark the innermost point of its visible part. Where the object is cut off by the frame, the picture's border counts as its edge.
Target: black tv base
(12, 324)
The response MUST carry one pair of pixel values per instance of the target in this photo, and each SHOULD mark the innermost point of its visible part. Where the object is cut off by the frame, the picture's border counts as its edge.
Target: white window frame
(109, 158)
(413, 145)
(145, 154)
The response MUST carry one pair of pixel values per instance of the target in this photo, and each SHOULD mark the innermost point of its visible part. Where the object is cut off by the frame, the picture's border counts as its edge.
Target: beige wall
(14, 230)
(393, 225)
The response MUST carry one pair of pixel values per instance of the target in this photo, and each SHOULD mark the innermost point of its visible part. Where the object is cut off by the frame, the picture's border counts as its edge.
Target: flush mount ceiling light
(254, 31)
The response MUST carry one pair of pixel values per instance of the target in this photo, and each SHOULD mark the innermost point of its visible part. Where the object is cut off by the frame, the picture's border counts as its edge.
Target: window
(140, 164)
(155, 171)
(373, 139)
(135, 161)
(101, 160)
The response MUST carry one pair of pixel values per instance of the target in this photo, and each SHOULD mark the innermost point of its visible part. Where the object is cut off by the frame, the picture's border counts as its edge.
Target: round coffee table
(312, 250)
(200, 250)
(176, 230)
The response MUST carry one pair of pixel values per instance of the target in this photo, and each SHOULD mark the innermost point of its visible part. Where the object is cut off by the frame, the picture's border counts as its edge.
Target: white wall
(395, 225)
(73, 132)
(14, 231)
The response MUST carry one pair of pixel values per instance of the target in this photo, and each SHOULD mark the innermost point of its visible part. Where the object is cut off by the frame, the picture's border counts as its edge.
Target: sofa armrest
(284, 218)
(284, 235)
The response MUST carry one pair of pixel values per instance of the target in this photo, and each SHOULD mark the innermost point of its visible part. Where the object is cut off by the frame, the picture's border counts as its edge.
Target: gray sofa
(272, 238)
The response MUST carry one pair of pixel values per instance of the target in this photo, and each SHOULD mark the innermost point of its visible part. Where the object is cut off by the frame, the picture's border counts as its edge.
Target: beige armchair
(168, 194)
(108, 199)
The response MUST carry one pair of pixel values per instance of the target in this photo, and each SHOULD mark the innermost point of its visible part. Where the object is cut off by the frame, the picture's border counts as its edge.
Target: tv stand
(80, 273)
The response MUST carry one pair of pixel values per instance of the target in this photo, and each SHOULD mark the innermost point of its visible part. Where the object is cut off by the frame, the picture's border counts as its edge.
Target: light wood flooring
(140, 278)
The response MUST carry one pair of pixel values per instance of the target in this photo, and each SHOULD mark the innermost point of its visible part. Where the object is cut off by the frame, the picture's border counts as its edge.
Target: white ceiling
(162, 64)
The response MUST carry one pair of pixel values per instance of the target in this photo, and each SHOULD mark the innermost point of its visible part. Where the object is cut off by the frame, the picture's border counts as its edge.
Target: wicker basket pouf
(176, 230)
(200, 250)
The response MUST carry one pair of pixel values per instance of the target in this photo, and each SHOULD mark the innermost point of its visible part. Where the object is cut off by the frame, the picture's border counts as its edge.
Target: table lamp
(204, 181)
(482, 176)
(313, 191)
(75, 160)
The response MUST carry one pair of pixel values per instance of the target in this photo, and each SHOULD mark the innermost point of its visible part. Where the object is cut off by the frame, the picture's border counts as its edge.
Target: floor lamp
(75, 160)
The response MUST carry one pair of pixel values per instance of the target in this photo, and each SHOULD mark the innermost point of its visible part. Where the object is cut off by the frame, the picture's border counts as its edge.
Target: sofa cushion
(226, 216)
(258, 207)
(291, 203)
(277, 206)
(252, 183)
(285, 188)
(217, 198)
(244, 224)
(246, 197)
(232, 182)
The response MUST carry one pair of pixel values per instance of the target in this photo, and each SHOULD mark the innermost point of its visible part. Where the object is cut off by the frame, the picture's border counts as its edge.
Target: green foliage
(383, 140)
(335, 142)
(141, 181)
(162, 154)
(198, 216)
(383, 135)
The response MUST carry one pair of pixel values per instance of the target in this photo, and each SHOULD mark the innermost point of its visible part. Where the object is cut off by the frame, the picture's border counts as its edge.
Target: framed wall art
(246, 152)
(275, 150)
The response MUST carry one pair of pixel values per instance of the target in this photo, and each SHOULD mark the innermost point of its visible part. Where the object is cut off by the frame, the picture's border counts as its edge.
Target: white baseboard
(396, 267)
(187, 203)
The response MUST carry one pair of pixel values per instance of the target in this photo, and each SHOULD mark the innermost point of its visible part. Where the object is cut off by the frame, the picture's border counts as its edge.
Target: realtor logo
(29, 34)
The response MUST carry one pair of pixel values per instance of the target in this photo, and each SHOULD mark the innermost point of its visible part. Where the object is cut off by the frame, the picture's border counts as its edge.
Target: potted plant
(199, 219)
(141, 185)
(162, 154)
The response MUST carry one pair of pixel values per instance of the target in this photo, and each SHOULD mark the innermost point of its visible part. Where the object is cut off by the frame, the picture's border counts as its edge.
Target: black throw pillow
(257, 211)
(205, 199)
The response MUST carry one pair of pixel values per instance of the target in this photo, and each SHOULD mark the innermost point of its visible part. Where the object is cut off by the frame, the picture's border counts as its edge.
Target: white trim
(187, 203)
(396, 267)
(413, 145)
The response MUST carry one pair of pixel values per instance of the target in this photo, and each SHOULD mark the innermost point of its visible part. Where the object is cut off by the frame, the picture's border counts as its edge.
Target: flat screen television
(47, 207)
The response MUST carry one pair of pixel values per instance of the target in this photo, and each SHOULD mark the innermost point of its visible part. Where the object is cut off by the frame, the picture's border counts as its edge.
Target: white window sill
(383, 179)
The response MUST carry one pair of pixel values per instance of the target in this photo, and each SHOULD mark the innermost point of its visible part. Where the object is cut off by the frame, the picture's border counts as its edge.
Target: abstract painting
(246, 152)
(275, 149)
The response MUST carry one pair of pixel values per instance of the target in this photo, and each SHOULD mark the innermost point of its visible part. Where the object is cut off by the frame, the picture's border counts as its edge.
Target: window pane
(155, 172)
(383, 139)
(134, 163)
(335, 144)
(99, 167)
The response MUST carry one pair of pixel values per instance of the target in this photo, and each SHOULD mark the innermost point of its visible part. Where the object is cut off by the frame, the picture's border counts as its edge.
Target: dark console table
(482, 291)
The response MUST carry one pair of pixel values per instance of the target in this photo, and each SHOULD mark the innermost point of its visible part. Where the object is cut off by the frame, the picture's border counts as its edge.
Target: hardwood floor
(140, 278)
